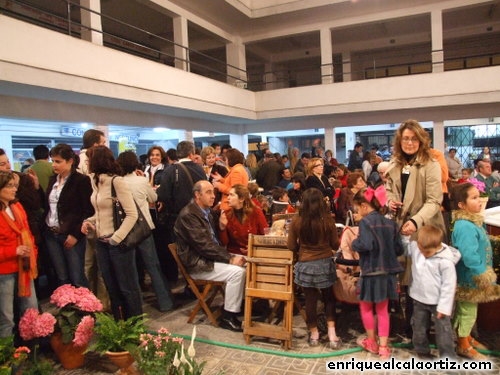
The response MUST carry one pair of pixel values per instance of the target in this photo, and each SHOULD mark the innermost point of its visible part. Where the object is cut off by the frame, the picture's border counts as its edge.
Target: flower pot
(124, 361)
(69, 355)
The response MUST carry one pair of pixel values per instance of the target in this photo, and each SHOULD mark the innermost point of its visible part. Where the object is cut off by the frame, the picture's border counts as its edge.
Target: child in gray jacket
(432, 287)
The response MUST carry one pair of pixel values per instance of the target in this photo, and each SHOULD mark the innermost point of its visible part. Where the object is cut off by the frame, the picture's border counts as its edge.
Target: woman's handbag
(139, 232)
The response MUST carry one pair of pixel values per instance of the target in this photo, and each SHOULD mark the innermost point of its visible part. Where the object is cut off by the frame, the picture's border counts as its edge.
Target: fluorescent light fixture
(160, 130)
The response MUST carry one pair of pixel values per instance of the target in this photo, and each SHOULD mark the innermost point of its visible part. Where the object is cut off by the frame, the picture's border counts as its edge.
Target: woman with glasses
(18, 254)
(414, 181)
(413, 189)
(315, 178)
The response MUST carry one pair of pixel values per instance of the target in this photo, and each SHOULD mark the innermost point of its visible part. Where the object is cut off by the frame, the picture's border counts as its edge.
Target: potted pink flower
(71, 326)
(75, 315)
(32, 327)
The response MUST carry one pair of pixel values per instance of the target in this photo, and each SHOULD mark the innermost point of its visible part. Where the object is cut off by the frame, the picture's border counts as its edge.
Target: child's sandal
(369, 345)
(384, 352)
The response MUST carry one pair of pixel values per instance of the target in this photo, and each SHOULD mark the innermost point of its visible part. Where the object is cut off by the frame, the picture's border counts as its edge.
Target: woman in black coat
(67, 205)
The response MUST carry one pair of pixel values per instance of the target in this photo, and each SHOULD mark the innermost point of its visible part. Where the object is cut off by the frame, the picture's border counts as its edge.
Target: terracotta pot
(69, 355)
(124, 361)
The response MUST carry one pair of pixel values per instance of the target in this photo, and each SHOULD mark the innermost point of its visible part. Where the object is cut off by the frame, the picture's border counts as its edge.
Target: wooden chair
(269, 276)
(276, 217)
(204, 290)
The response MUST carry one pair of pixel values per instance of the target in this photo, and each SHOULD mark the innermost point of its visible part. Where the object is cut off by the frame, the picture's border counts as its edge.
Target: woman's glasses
(318, 165)
(11, 185)
(408, 140)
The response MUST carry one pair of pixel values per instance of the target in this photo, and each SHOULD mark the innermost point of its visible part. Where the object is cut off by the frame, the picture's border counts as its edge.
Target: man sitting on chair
(204, 257)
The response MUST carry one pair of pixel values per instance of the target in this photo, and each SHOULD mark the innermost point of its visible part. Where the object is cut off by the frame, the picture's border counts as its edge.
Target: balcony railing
(283, 75)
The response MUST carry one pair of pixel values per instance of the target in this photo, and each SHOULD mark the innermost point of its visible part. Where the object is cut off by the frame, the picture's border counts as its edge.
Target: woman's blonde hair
(251, 160)
(205, 151)
(423, 154)
(311, 164)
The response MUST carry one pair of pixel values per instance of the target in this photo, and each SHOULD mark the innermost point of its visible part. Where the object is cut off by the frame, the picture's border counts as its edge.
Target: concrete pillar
(269, 77)
(181, 43)
(236, 64)
(186, 135)
(326, 56)
(350, 141)
(91, 20)
(437, 41)
(346, 67)
(438, 136)
(330, 140)
(6, 144)
(240, 142)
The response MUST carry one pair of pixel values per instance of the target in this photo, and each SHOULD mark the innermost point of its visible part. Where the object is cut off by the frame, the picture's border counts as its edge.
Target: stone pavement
(225, 352)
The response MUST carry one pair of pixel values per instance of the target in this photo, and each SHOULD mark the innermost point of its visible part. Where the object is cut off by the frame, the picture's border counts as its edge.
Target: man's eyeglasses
(408, 140)
(11, 185)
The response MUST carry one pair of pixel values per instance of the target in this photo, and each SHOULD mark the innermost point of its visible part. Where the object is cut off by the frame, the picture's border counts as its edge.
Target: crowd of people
(209, 200)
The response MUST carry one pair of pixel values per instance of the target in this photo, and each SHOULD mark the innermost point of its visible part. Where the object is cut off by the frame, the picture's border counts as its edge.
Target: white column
(438, 136)
(186, 135)
(346, 66)
(237, 65)
(437, 41)
(91, 20)
(181, 43)
(350, 141)
(326, 56)
(240, 142)
(6, 144)
(330, 140)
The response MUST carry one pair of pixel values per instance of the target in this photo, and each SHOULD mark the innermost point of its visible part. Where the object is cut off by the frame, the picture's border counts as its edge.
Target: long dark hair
(243, 193)
(423, 153)
(460, 193)
(314, 218)
(102, 161)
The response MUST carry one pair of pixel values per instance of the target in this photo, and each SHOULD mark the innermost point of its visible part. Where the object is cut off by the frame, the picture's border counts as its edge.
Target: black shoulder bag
(139, 232)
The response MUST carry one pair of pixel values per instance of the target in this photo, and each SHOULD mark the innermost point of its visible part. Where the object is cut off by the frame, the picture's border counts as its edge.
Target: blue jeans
(119, 272)
(68, 263)
(147, 252)
(421, 322)
(8, 295)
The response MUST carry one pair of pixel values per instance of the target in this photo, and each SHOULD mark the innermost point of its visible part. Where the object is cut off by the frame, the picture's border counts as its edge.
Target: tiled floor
(225, 352)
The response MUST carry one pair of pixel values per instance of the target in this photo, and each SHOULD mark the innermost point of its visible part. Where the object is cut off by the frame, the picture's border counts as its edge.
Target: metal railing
(69, 24)
(283, 75)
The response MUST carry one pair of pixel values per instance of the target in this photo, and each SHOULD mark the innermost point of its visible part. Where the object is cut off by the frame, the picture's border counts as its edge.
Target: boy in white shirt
(432, 288)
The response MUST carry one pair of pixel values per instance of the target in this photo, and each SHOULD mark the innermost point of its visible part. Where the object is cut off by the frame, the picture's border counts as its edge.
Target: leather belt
(55, 230)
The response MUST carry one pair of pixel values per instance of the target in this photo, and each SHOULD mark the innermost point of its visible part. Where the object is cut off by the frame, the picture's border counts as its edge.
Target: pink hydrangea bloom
(33, 324)
(84, 331)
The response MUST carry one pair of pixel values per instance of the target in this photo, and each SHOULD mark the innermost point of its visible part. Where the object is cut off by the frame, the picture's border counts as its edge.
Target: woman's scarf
(27, 270)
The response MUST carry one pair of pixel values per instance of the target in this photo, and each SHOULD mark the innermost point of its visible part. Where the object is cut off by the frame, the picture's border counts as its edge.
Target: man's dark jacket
(196, 248)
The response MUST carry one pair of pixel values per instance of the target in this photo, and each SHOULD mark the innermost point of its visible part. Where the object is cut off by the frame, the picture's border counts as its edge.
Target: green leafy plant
(10, 356)
(160, 353)
(112, 335)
